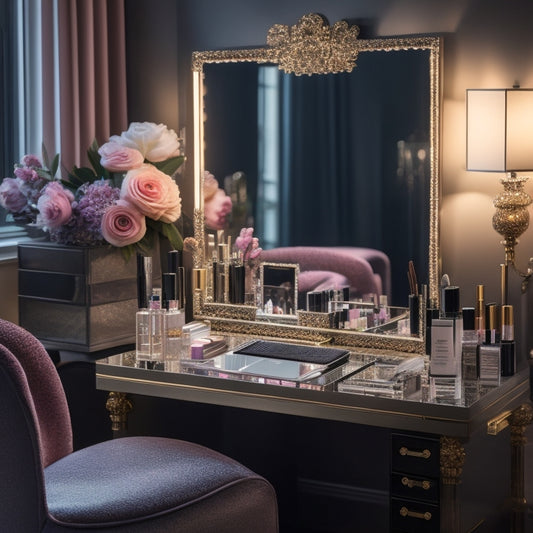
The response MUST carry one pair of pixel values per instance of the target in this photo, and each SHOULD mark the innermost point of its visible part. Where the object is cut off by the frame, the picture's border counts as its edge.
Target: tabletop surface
(121, 373)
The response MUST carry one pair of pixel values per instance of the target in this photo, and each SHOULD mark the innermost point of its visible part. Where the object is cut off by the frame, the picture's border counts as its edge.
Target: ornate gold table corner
(517, 420)
(118, 406)
(452, 458)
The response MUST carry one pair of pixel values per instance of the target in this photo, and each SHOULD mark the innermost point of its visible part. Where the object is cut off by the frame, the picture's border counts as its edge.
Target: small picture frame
(279, 282)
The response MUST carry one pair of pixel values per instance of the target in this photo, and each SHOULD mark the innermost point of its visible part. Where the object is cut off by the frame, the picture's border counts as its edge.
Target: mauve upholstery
(319, 280)
(367, 270)
(52, 414)
(132, 484)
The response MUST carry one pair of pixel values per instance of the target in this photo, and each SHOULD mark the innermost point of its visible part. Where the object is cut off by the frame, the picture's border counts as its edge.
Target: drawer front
(415, 455)
(415, 487)
(408, 516)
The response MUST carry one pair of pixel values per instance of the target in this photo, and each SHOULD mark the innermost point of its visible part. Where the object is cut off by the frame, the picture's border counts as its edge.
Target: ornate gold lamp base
(511, 219)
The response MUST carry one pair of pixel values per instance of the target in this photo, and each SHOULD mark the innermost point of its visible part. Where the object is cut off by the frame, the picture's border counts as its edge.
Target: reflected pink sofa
(364, 270)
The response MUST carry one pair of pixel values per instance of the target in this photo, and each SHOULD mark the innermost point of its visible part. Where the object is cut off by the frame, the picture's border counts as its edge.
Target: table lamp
(500, 139)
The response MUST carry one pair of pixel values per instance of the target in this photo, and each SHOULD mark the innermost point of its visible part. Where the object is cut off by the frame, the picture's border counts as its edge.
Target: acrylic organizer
(388, 378)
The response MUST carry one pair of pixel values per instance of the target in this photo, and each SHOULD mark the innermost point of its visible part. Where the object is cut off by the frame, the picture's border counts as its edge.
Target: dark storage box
(77, 298)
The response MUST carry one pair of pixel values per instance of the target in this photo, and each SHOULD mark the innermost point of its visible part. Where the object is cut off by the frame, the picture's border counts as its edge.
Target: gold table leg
(452, 458)
(118, 406)
(519, 420)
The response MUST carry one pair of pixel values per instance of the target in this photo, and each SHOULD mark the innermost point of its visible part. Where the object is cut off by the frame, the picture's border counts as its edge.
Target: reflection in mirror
(331, 160)
(354, 168)
(279, 286)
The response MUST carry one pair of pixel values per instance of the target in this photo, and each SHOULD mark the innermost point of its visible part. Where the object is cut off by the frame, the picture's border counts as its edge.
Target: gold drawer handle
(426, 485)
(425, 454)
(405, 512)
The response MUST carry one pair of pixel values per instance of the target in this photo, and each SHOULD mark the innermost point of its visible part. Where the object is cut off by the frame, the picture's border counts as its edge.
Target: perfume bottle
(446, 349)
(142, 319)
(156, 326)
(173, 322)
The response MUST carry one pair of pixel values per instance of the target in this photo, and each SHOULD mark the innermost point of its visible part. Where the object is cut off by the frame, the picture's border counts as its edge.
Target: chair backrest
(44, 391)
(22, 499)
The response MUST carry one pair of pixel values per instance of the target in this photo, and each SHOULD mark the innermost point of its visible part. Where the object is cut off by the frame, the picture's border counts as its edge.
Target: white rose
(155, 141)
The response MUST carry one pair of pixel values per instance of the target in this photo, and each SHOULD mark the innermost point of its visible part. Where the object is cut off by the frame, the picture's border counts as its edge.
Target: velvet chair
(133, 484)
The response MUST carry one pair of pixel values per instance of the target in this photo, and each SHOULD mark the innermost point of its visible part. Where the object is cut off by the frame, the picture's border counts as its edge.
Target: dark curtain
(350, 174)
(344, 181)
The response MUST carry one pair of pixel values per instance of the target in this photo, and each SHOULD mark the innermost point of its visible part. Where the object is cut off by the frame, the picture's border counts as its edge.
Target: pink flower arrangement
(127, 197)
(248, 244)
(217, 205)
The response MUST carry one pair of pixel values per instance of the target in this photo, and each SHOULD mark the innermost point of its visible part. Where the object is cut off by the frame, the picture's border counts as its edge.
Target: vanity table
(430, 466)
(440, 455)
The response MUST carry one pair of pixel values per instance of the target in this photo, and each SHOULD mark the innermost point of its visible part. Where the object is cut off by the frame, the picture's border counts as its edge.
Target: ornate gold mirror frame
(312, 47)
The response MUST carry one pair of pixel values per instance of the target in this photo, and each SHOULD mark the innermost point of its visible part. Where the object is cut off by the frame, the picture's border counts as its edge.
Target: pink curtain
(92, 75)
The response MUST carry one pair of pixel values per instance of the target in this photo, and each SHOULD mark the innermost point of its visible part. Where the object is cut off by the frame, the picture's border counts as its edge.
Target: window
(21, 130)
(268, 206)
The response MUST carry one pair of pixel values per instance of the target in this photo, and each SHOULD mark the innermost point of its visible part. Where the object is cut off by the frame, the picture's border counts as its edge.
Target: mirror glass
(279, 291)
(329, 160)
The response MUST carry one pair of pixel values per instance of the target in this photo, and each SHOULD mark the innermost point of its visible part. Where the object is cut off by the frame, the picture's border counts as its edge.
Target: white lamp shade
(499, 130)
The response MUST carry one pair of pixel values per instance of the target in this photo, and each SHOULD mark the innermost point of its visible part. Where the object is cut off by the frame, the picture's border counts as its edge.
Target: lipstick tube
(508, 354)
(480, 312)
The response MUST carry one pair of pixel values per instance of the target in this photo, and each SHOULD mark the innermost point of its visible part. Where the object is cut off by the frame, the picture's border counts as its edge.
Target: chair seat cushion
(107, 484)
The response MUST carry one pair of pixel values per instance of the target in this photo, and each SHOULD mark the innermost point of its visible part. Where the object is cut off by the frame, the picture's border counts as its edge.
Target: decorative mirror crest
(314, 47)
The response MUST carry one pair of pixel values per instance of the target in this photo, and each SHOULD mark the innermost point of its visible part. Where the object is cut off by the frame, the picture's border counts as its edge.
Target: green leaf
(69, 184)
(170, 165)
(54, 166)
(167, 230)
(173, 235)
(94, 159)
(46, 161)
(85, 174)
(43, 173)
(128, 252)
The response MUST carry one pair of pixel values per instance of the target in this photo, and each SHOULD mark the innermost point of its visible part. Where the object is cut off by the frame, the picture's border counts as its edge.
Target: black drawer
(415, 487)
(409, 516)
(415, 455)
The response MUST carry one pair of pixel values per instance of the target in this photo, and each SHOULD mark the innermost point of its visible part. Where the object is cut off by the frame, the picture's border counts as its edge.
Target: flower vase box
(77, 298)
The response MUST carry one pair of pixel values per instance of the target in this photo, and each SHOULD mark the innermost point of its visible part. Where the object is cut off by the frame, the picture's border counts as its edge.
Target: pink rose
(26, 174)
(118, 158)
(54, 206)
(11, 196)
(210, 185)
(216, 209)
(122, 224)
(30, 160)
(155, 194)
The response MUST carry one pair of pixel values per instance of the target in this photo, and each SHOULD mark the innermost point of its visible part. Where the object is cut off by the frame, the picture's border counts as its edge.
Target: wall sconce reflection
(500, 139)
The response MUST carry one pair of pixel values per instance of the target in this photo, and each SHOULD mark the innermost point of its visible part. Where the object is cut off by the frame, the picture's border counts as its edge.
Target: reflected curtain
(84, 74)
(350, 174)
